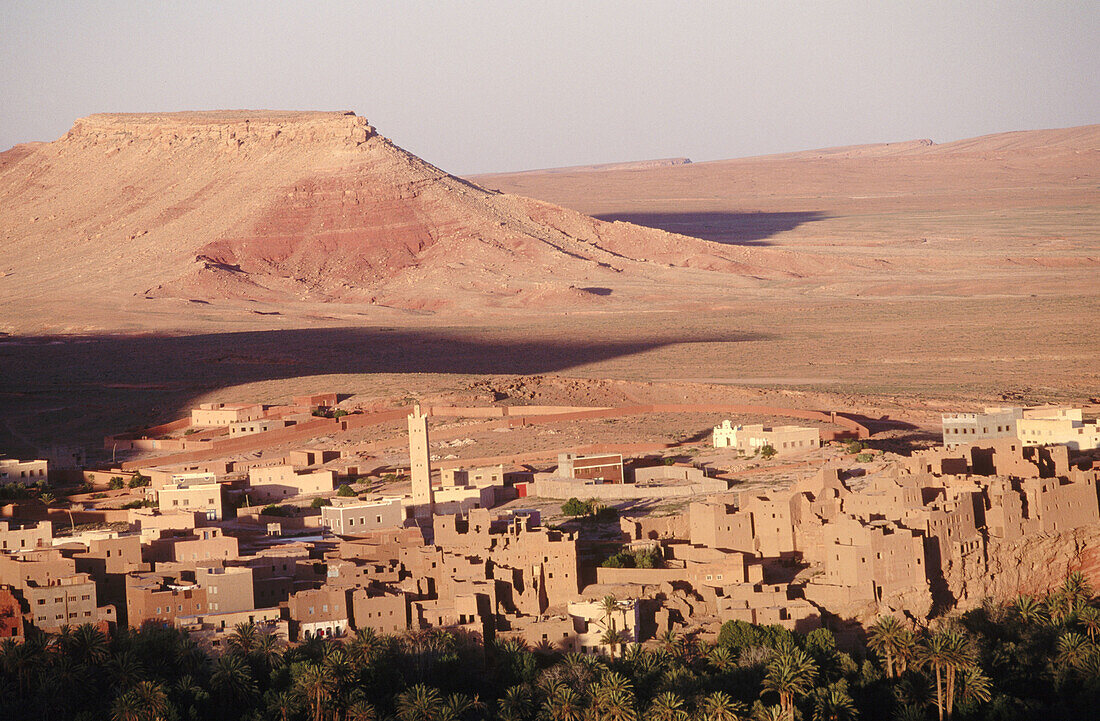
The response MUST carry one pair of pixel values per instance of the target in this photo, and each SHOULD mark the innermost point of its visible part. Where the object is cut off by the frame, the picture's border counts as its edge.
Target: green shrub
(344, 491)
(637, 558)
(767, 451)
(139, 481)
(575, 507)
(276, 510)
(865, 457)
(318, 502)
(115, 483)
(853, 446)
(339, 414)
(144, 503)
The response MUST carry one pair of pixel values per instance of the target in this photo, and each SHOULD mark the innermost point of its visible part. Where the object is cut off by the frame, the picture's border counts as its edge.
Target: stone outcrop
(1032, 565)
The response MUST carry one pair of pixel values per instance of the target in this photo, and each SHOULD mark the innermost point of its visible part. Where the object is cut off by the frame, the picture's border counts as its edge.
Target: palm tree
(945, 653)
(284, 703)
(616, 705)
(1077, 588)
(612, 638)
(515, 704)
(127, 707)
(419, 703)
(962, 655)
(833, 703)
(887, 636)
(314, 684)
(457, 705)
(365, 645)
(976, 686)
(790, 674)
(126, 669)
(1029, 610)
(564, 704)
(190, 696)
(268, 651)
(232, 679)
(666, 706)
(89, 645)
(609, 605)
(1089, 618)
(718, 706)
(671, 643)
(361, 710)
(152, 699)
(770, 713)
(721, 658)
(1073, 649)
(243, 639)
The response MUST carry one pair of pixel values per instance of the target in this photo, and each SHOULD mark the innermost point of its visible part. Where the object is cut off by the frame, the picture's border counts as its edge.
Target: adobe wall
(639, 576)
(548, 488)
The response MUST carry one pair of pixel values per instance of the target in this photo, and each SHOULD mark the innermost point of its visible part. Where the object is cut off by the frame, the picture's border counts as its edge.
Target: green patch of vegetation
(143, 503)
(14, 491)
(767, 451)
(635, 558)
(139, 481)
(116, 483)
(191, 431)
(277, 510)
(344, 491)
(865, 457)
(589, 509)
(853, 447)
(319, 502)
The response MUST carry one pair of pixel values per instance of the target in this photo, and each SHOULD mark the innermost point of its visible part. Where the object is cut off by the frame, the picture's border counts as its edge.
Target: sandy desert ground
(147, 265)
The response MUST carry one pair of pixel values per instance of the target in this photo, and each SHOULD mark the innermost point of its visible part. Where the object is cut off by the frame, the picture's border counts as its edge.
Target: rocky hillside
(291, 207)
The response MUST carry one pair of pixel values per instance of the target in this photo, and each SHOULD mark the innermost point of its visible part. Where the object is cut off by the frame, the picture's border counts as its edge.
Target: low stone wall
(555, 488)
(639, 576)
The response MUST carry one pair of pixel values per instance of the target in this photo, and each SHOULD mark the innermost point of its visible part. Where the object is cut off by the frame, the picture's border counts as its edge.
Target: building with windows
(352, 518)
(750, 439)
(26, 472)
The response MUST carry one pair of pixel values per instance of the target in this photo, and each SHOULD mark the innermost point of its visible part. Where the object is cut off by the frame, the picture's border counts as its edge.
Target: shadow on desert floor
(94, 383)
(720, 226)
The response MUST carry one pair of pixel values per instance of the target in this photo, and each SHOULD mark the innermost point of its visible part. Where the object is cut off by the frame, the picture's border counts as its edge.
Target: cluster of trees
(635, 558)
(591, 508)
(1033, 658)
(117, 483)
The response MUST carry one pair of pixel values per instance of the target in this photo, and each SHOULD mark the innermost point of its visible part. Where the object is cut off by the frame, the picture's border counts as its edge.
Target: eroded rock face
(231, 130)
(1031, 566)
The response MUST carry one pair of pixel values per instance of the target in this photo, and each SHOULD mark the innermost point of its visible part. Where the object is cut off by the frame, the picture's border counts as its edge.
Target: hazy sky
(482, 86)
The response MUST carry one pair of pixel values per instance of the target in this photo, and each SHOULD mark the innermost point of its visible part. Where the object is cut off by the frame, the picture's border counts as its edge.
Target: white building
(750, 439)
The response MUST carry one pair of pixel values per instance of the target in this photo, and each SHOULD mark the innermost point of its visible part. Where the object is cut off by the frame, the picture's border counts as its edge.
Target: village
(312, 521)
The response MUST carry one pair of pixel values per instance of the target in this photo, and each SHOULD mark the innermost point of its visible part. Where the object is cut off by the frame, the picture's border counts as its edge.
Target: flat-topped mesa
(232, 129)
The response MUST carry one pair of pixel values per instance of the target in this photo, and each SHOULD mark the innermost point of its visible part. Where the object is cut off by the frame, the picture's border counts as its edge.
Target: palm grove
(1033, 657)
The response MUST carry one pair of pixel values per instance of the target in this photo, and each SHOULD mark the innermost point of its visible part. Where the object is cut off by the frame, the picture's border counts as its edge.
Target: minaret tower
(419, 462)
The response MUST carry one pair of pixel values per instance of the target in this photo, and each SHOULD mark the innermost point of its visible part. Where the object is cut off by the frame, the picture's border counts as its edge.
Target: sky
(497, 86)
